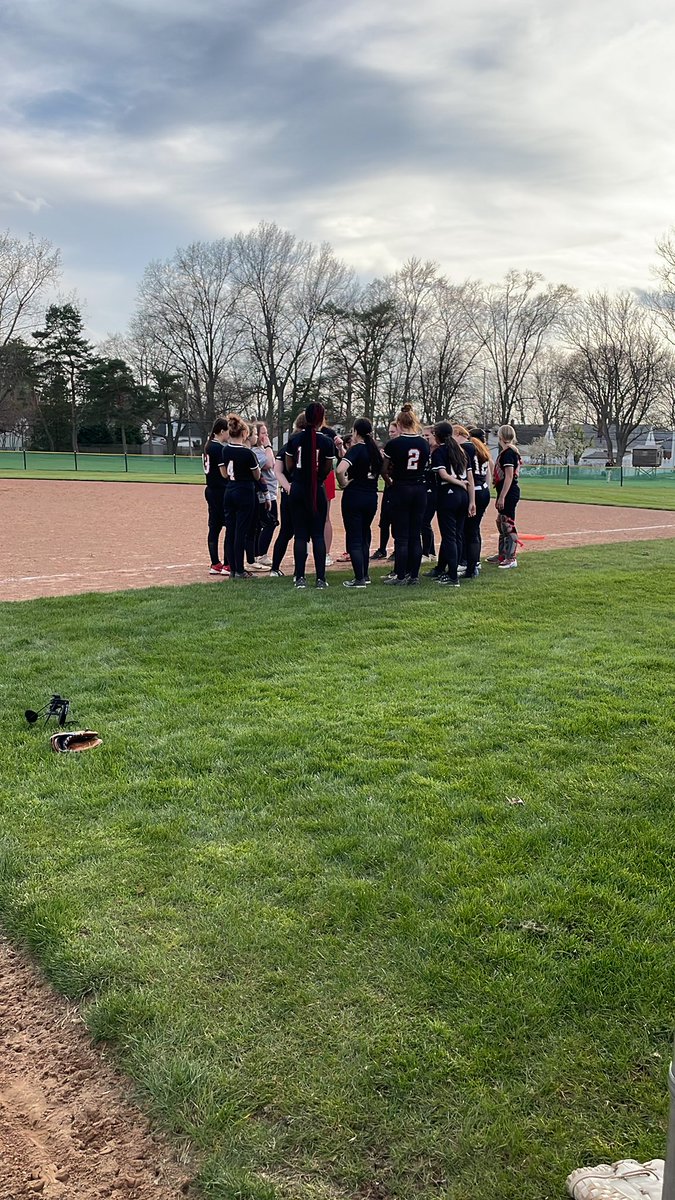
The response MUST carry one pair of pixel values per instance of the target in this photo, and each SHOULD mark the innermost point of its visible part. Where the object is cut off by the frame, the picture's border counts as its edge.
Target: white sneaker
(264, 560)
(329, 561)
(461, 571)
(256, 566)
(506, 566)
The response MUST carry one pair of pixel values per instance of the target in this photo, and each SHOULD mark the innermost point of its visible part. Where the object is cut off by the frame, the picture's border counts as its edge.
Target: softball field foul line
(623, 529)
(104, 571)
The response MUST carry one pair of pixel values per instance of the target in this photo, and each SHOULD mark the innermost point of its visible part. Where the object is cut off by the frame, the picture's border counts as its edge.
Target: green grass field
(295, 892)
(635, 493)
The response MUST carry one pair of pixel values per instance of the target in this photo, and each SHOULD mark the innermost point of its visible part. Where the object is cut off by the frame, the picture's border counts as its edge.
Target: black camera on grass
(57, 707)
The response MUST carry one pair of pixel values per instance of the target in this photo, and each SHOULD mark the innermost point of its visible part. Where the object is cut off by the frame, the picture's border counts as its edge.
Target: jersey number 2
(413, 459)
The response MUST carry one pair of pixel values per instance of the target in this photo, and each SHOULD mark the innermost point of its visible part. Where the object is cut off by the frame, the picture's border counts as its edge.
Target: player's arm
(280, 477)
(450, 477)
(472, 492)
(386, 470)
(342, 472)
(508, 480)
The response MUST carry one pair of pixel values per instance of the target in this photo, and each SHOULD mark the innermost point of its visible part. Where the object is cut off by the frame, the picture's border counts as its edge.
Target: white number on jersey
(205, 460)
(230, 470)
(413, 459)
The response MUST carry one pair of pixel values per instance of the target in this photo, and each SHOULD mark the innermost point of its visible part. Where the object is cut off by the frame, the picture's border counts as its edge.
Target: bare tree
(288, 293)
(618, 365)
(363, 334)
(27, 269)
(553, 399)
(188, 309)
(414, 291)
(513, 319)
(448, 350)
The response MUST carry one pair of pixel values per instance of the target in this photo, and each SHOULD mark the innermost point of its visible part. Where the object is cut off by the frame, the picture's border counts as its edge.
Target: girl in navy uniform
(482, 477)
(285, 533)
(309, 459)
(505, 478)
(405, 459)
(240, 470)
(214, 493)
(450, 466)
(358, 473)
(385, 509)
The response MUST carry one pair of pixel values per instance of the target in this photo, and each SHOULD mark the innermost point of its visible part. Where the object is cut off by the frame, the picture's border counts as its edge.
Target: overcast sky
(484, 134)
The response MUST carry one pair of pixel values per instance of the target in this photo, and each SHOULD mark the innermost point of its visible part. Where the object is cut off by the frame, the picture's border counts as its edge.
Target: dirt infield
(60, 538)
(67, 1127)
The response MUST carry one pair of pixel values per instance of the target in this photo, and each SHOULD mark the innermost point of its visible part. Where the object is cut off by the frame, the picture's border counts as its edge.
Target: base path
(61, 537)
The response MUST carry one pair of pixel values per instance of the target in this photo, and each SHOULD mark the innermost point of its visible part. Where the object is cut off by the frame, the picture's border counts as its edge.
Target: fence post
(25, 464)
(126, 463)
(568, 474)
(175, 468)
(75, 457)
(621, 475)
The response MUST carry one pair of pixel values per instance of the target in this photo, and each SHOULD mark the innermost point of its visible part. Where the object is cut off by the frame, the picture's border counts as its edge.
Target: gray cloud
(484, 134)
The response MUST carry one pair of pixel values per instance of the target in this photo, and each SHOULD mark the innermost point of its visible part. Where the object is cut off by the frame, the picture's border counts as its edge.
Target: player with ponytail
(241, 472)
(309, 458)
(214, 494)
(405, 459)
(451, 469)
(358, 473)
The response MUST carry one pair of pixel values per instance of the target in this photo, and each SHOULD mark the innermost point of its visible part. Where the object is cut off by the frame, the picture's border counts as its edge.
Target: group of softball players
(446, 470)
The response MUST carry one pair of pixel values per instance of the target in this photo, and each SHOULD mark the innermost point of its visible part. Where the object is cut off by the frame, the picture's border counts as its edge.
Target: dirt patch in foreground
(68, 1129)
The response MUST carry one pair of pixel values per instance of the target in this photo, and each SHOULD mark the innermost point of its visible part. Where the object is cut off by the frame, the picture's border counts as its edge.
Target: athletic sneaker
(321, 585)
(394, 580)
(367, 580)
(257, 566)
(461, 570)
(276, 575)
(412, 581)
(391, 557)
(243, 575)
(427, 558)
(378, 554)
(434, 573)
(447, 581)
(495, 559)
(300, 582)
(264, 560)
(507, 563)
(216, 569)
(389, 578)
(344, 558)
(355, 583)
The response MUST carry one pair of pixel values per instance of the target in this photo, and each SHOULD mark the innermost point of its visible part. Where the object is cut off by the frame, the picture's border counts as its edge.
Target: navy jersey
(239, 461)
(212, 458)
(408, 455)
(361, 474)
(481, 477)
(299, 449)
(440, 458)
(506, 458)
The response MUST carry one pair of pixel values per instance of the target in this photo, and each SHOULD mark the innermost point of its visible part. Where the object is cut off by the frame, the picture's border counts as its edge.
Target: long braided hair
(314, 416)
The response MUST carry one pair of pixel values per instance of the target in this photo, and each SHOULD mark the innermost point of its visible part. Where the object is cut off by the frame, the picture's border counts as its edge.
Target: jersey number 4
(230, 470)
(413, 459)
